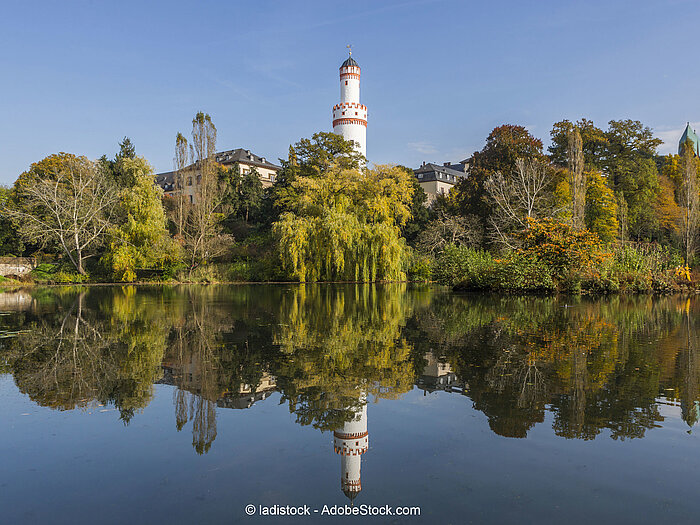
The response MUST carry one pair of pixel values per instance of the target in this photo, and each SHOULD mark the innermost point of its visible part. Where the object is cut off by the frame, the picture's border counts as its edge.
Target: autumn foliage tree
(504, 145)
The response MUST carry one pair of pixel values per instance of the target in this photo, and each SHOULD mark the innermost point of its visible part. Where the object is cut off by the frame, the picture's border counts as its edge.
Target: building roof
(244, 156)
(690, 135)
(449, 173)
(350, 62)
(166, 180)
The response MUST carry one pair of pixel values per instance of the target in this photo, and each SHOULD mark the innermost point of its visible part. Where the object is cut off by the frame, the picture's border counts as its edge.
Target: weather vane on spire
(349, 46)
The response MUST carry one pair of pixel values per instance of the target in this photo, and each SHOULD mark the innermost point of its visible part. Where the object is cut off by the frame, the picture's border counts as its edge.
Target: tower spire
(349, 46)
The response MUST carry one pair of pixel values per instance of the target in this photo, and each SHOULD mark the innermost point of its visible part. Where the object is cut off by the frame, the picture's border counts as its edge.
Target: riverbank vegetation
(599, 212)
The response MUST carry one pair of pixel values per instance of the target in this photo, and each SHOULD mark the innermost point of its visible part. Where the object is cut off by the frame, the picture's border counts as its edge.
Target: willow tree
(344, 224)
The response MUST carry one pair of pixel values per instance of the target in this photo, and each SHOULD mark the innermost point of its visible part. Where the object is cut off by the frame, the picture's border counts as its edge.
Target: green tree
(631, 169)
(420, 213)
(593, 143)
(140, 240)
(312, 158)
(10, 240)
(251, 194)
(601, 207)
(114, 168)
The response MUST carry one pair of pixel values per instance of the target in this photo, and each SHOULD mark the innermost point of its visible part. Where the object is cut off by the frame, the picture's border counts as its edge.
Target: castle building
(439, 180)
(349, 116)
(350, 443)
(247, 161)
(689, 135)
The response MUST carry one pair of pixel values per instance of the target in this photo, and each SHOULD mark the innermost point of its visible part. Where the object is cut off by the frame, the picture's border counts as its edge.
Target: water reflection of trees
(86, 349)
(341, 344)
(595, 364)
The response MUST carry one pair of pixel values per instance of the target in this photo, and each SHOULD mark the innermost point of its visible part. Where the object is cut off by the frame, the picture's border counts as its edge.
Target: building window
(191, 199)
(420, 175)
(346, 82)
(189, 181)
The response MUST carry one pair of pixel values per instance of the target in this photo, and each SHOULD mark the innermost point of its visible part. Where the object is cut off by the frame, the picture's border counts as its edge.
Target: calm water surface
(185, 404)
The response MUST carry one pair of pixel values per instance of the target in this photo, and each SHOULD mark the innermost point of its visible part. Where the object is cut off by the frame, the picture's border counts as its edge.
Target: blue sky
(437, 76)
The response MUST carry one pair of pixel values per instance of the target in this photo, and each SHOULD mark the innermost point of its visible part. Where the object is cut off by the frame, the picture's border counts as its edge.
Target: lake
(185, 404)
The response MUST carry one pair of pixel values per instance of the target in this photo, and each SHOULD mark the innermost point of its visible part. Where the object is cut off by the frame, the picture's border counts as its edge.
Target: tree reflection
(76, 355)
(595, 364)
(341, 344)
(599, 366)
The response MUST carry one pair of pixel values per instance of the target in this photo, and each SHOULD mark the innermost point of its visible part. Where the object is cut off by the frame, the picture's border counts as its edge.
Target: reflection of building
(20, 301)
(439, 180)
(350, 443)
(246, 395)
(188, 376)
(439, 376)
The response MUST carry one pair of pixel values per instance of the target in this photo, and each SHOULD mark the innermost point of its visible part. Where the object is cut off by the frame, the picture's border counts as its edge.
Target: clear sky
(437, 75)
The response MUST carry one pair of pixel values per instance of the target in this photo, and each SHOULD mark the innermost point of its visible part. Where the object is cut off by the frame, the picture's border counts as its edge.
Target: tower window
(346, 82)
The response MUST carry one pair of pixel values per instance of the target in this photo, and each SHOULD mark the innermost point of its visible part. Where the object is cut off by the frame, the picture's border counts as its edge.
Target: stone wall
(17, 266)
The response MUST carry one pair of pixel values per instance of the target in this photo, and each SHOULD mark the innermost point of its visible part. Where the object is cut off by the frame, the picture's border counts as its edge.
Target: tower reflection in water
(350, 443)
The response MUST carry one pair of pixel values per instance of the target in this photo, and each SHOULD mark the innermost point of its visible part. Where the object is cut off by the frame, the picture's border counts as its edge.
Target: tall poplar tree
(577, 178)
(689, 201)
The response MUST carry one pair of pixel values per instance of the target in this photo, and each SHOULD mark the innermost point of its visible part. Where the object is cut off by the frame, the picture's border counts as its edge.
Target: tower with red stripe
(349, 116)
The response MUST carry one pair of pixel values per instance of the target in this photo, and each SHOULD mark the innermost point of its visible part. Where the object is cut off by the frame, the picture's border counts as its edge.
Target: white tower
(351, 442)
(350, 117)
